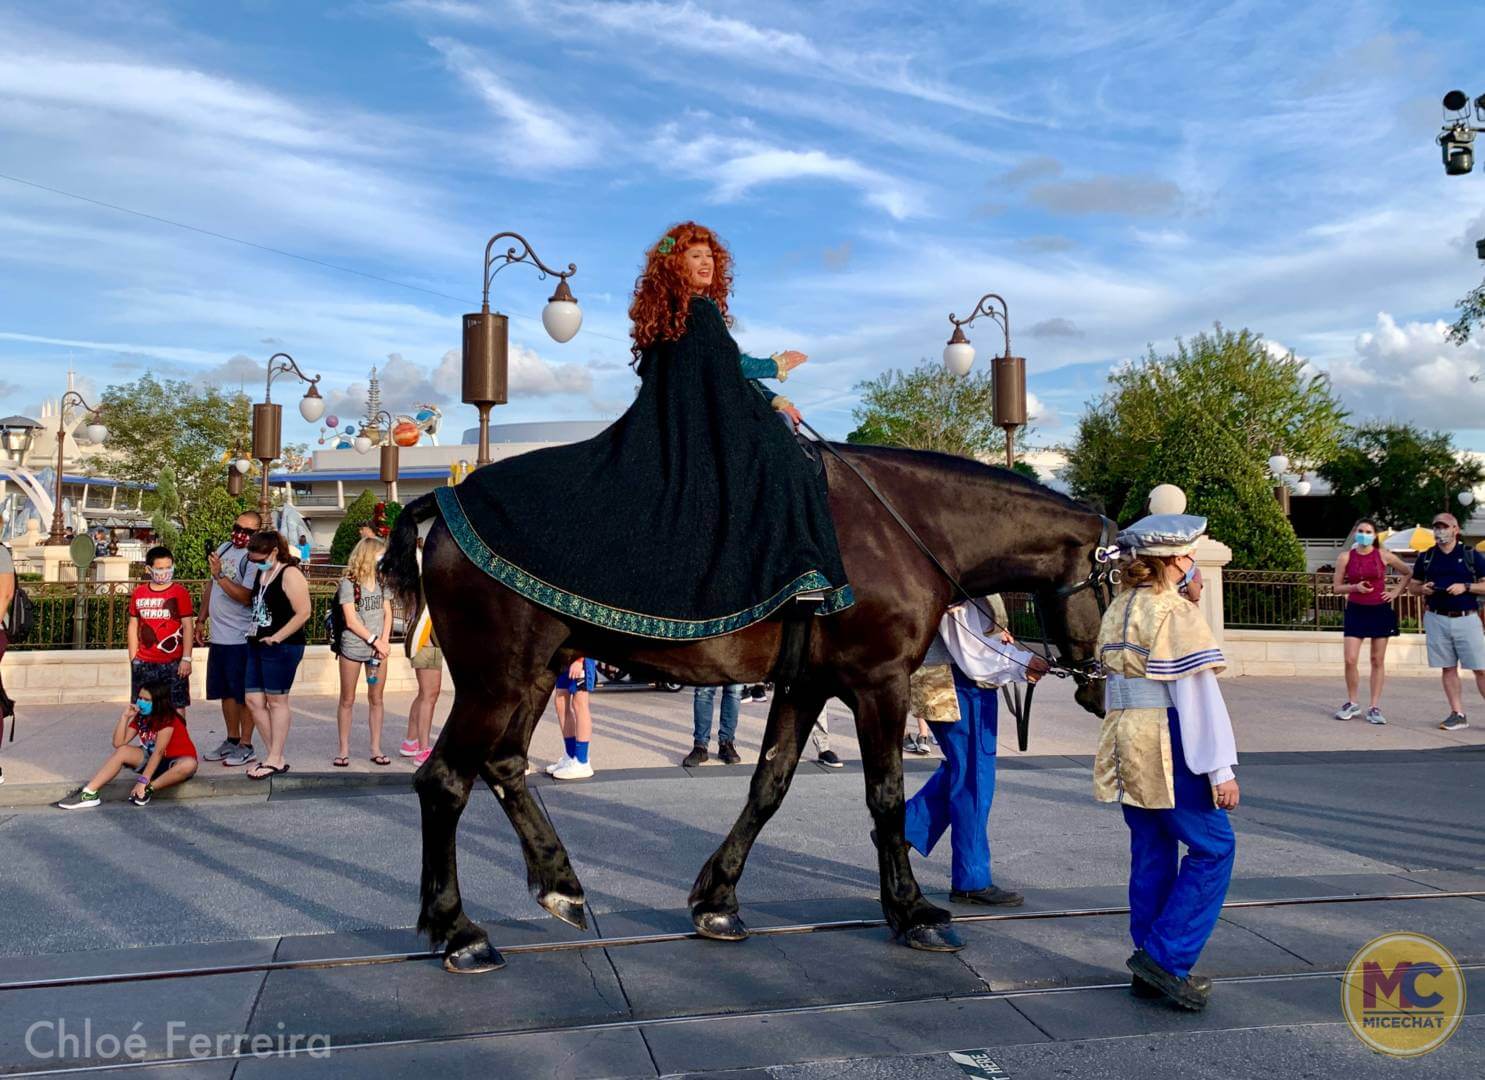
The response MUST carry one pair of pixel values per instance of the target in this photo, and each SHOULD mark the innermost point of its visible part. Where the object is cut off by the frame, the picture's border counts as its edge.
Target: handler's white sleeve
(977, 650)
(1206, 729)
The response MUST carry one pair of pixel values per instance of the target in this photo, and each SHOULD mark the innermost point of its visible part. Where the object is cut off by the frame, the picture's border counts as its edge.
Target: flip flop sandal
(267, 771)
(342, 763)
(381, 759)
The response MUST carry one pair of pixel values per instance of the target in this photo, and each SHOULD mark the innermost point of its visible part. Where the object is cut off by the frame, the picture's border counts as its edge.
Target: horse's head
(1072, 609)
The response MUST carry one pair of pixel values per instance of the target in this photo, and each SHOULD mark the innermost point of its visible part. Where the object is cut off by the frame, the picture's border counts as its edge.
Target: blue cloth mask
(144, 707)
(1365, 539)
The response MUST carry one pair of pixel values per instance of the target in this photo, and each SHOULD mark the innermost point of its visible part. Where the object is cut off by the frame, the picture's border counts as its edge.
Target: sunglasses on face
(238, 530)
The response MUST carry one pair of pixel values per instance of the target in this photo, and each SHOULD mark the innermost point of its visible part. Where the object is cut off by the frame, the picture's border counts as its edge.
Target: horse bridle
(1102, 575)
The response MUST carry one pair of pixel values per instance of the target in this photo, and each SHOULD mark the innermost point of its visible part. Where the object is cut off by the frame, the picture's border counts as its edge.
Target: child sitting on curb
(165, 748)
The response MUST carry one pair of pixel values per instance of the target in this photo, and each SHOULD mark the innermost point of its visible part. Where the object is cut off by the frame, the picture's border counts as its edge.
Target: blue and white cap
(1164, 534)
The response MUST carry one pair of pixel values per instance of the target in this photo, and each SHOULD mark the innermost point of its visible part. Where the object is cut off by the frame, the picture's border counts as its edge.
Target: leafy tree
(167, 510)
(929, 408)
(1207, 417)
(210, 526)
(1399, 473)
(153, 423)
(1471, 315)
(357, 513)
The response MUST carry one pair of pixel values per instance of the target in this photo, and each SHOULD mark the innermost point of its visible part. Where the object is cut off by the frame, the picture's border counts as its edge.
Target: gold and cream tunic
(970, 641)
(1159, 653)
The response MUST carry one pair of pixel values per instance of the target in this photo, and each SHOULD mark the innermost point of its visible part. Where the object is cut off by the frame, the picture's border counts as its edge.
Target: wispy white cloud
(737, 165)
(531, 133)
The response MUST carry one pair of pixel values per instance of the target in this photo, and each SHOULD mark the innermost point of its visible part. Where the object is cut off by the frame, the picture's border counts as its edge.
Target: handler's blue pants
(1173, 907)
(958, 795)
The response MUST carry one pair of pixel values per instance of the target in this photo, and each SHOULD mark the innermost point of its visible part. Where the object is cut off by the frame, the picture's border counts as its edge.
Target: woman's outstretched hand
(790, 359)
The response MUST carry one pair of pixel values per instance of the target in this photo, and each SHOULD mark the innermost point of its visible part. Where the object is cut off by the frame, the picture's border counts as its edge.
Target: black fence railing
(104, 608)
(1277, 600)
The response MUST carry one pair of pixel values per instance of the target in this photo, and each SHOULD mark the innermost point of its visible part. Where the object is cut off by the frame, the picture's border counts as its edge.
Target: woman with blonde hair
(1166, 752)
(368, 620)
(1361, 577)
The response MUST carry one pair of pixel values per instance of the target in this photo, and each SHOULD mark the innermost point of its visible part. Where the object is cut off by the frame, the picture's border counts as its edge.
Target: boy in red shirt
(161, 624)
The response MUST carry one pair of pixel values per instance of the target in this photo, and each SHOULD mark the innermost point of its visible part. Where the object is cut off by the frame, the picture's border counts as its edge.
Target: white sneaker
(1349, 711)
(561, 763)
(573, 770)
(1374, 716)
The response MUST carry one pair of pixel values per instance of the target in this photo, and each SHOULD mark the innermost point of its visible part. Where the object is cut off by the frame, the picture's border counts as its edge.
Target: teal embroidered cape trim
(611, 618)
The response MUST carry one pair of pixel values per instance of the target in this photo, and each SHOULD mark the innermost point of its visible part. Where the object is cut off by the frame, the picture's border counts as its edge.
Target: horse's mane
(967, 468)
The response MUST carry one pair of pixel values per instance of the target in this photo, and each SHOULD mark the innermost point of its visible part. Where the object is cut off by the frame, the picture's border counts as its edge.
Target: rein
(1102, 576)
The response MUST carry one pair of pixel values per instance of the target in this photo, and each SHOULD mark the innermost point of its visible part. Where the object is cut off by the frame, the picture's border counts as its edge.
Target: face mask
(162, 576)
(240, 539)
(1366, 539)
(1441, 536)
(144, 706)
(1188, 577)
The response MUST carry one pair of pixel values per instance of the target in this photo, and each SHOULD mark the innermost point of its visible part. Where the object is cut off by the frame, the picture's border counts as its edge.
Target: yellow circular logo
(1403, 994)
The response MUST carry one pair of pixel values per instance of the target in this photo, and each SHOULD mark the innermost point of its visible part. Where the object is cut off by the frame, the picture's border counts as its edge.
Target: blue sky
(1124, 173)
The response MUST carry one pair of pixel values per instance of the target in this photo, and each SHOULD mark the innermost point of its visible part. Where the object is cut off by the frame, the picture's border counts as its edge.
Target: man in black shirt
(1451, 577)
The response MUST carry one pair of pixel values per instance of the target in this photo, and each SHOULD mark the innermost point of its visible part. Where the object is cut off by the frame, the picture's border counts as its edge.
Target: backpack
(335, 619)
(22, 614)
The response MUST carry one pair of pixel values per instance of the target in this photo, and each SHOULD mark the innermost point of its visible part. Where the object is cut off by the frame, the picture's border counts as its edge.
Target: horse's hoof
(719, 925)
(933, 938)
(472, 959)
(571, 910)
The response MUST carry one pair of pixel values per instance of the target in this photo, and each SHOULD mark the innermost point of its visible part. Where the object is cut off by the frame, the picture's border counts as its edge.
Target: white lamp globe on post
(311, 405)
(1278, 465)
(562, 317)
(1466, 499)
(97, 434)
(1167, 499)
(243, 465)
(362, 444)
(959, 354)
(1302, 488)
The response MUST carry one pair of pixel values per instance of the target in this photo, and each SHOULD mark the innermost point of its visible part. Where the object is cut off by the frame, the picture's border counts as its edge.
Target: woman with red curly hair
(695, 513)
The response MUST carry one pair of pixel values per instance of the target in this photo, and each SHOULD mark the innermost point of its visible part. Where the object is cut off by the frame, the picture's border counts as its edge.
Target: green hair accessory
(666, 245)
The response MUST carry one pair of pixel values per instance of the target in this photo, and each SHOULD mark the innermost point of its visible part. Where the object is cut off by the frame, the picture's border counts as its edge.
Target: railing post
(80, 610)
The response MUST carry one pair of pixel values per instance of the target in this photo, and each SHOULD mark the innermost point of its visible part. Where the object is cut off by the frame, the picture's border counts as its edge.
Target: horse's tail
(399, 566)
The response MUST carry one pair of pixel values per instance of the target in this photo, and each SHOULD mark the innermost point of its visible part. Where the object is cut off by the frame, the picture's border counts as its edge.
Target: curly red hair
(662, 296)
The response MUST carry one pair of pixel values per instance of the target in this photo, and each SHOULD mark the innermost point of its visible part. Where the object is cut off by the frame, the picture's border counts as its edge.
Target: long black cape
(692, 515)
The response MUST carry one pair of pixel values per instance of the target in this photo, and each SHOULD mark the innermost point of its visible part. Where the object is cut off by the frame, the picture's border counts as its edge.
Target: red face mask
(240, 537)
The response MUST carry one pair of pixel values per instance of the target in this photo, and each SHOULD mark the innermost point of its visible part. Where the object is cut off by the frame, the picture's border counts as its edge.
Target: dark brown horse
(993, 530)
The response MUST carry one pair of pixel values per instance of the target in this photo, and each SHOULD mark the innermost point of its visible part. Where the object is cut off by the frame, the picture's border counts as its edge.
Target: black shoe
(1188, 993)
(728, 754)
(830, 760)
(1142, 989)
(697, 756)
(994, 896)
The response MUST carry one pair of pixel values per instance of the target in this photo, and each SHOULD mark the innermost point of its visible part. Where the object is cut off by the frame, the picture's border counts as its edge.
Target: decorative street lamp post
(237, 468)
(17, 434)
(389, 448)
(1008, 373)
(1278, 465)
(268, 420)
(487, 337)
(96, 434)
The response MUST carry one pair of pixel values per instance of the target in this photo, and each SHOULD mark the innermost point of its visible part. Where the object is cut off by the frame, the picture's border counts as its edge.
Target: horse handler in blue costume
(1166, 752)
(954, 690)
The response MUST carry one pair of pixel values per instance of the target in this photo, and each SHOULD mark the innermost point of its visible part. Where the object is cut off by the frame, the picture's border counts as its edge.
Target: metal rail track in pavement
(662, 938)
(640, 1024)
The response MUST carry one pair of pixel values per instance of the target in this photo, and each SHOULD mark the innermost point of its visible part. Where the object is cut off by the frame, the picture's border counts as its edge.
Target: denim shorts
(226, 672)
(271, 668)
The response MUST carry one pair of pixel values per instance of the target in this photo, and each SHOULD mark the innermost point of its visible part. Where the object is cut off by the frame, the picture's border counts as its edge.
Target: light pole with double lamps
(389, 448)
(96, 434)
(487, 335)
(268, 420)
(1007, 373)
